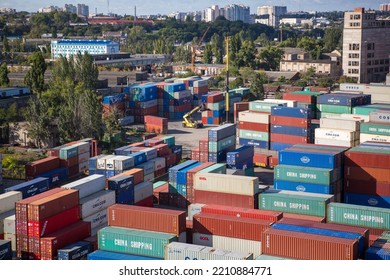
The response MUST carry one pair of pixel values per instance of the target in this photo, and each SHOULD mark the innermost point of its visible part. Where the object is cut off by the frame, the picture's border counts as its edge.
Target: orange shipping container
(138, 174)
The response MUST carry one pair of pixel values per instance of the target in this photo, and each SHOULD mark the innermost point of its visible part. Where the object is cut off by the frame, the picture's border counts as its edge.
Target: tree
(310, 45)
(6, 47)
(208, 54)
(246, 55)
(35, 76)
(262, 40)
(257, 89)
(182, 54)
(270, 58)
(234, 48)
(217, 47)
(87, 71)
(4, 80)
(333, 39)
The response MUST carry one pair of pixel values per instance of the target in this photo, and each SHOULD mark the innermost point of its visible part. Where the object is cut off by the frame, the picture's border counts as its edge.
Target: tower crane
(196, 47)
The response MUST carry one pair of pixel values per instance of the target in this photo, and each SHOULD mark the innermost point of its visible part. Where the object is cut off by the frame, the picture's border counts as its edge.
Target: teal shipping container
(254, 135)
(215, 147)
(215, 168)
(313, 175)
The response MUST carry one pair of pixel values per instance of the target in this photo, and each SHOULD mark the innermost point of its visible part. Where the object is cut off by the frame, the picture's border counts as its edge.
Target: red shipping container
(204, 157)
(204, 145)
(54, 223)
(288, 139)
(137, 144)
(273, 161)
(190, 179)
(215, 97)
(34, 248)
(59, 239)
(69, 162)
(156, 192)
(146, 202)
(253, 126)
(367, 159)
(170, 160)
(240, 212)
(160, 172)
(304, 217)
(201, 90)
(367, 187)
(156, 129)
(302, 98)
(189, 231)
(239, 107)
(93, 240)
(52, 205)
(138, 174)
(305, 246)
(156, 143)
(217, 120)
(367, 174)
(182, 108)
(234, 200)
(153, 219)
(230, 226)
(204, 120)
(158, 121)
(73, 170)
(261, 160)
(40, 166)
(289, 121)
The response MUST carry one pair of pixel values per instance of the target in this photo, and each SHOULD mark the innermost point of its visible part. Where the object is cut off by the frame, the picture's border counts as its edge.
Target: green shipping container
(262, 106)
(375, 128)
(249, 172)
(334, 109)
(132, 241)
(255, 135)
(308, 92)
(295, 202)
(68, 152)
(357, 215)
(370, 150)
(312, 175)
(215, 147)
(367, 109)
(158, 184)
(169, 140)
(215, 168)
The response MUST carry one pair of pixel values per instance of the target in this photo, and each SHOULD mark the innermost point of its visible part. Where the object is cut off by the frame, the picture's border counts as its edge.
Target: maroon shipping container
(160, 172)
(302, 98)
(69, 162)
(156, 192)
(34, 248)
(345, 228)
(204, 145)
(289, 121)
(153, 219)
(239, 107)
(367, 159)
(73, 171)
(158, 121)
(230, 226)
(304, 217)
(170, 160)
(234, 200)
(261, 160)
(215, 97)
(59, 239)
(203, 89)
(148, 136)
(154, 142)
(93, 240)
(162, 149)
(367, 187)
(195, 154)
(54, 223)
(138, 174)
(305, 246)
(263, 127)
(43, 165)
(143, 111)
(289, 139)
(367, 174)
(240, 212)
(204, 157)
(52, 205)
(189, 231)
(146, 202)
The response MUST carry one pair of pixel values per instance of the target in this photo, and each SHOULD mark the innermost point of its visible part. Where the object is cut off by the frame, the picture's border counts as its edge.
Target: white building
(236, 12)
(82, 10)
(49, 9)
(7, 11)
(273, 12)
(211, 13)
(68, 48)
(70, 8)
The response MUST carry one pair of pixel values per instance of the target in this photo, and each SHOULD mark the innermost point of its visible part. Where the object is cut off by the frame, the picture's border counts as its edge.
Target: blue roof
(85, 42)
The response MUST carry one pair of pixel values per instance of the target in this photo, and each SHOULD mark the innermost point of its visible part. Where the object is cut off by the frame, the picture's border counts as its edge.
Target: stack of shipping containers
(7, 213)
(114, 104)
(142, 101)
(222, 139)
(242, 159)
(216, 108)
(378, 127)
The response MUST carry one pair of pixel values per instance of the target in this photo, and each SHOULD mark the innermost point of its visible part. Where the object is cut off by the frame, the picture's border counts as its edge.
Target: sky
(153, 7)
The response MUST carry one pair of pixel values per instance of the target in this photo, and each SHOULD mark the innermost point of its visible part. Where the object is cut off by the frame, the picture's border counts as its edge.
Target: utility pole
(227, 40)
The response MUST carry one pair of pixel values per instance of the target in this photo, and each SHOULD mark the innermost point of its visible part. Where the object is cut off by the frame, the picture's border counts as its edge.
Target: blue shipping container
(290, 130)
(304, 187)
(374, 253)
(324, 232)
(55, 176)
(242, 165)
(121, 183)
(5, 250)
(32, 187)
(109, 173)
(320, 159)
(75, 251)
(217, 157)
(340, 99)
(367, 200)
(107, 255)
(239, 155)
(181, 175)
(114, 99)
(125, 197)
(290, 112)
(275, 146)
(174, 87)
(139, 157)
(119, 151)
(255, 143)
(173, 170)
(221, 132)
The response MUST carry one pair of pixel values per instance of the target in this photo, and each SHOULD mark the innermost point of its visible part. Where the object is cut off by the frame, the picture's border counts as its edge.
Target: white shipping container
(148, 167)
(11, 237)
(3, 216)
(332, 142)
(82, 147)
(126, 121)
(288, 103)
(182, 94)
(380, 98)
(380, 116)
(361, 118)
(96, 202)
(148, 104)
(228, 243)
(182, 251)
(151, 153)
(194, 208)
(83, 166)
(110, 163)
(8, 199)
(236, 172)
(336, 134)
(148, 177)
(200, 83)
(84, 157)
(88, 185)
(224, 183)
(340, 123)
(364, 137)
(98, 219)
(255, 117)
(123, 163)
(9, 224)
(142, 191)
(101, 162)
(159, 163)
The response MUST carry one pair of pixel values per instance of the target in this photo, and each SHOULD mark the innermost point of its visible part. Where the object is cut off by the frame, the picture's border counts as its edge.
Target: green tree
(208, 54)
(246, 55)
(333, 38)
(217, 47)
(257, 88)
(234, 48)
(310, 45)
(4, 80)
(6, 47)
(87, 71)
(35, 76)
(182, 54)
(263, 40)
(270, 58)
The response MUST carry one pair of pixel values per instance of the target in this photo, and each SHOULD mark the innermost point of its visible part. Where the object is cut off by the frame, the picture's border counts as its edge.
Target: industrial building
(72, 47)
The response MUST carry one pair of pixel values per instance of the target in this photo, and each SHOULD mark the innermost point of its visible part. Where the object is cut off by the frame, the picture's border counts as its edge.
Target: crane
(194, 48)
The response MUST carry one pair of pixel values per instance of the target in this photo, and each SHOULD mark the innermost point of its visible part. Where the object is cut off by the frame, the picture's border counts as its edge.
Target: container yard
(304, 177)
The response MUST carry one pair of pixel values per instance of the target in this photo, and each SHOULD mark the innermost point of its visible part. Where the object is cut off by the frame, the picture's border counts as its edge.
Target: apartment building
(72, 47)
(273, 12)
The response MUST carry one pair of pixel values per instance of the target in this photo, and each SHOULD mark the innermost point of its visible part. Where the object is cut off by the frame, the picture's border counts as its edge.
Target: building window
(354, 47)
(356, 17)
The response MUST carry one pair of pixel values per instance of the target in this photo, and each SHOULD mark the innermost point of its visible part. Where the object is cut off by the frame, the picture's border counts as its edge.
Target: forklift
(189, 122)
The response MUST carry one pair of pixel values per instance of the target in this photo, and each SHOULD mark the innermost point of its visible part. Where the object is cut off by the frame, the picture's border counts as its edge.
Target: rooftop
(84, 42)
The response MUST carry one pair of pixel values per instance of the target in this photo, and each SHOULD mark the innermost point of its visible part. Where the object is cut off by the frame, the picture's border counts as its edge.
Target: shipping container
(340, 123)
(133, 241)
(290, 121)
(263, 106)
(96, 202)
(75, 251)
(5, 250)
(338, 135)
(334, 188)
(367, 174)
(304, 217)
(255, 117)
(221, 132)
(289, 130)
(306, 246)
(41, 166)
(107, 255)
(375, 128)
(364, 137)
(88, 185)
(121, 182)
(142, 190)
(289, 139)
(290, 112)
(367, 187)
(367, 157)
(97, 220)
(255, 135)
(239, 155)
(367, 200)
(8, 199)
(227, 199)
(148, 167)
(374, 253)
(137, 173)
(312, 158)
(323, 176)
(380, 116)
(9, 224)
(228, 243)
